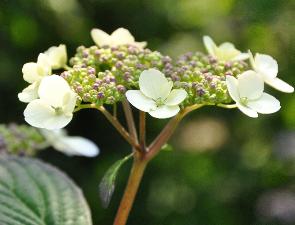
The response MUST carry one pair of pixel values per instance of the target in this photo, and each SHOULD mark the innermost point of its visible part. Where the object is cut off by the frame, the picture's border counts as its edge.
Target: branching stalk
(168, 130)
(115, 110)
(141, 159)
(119, 127)
(130, 119)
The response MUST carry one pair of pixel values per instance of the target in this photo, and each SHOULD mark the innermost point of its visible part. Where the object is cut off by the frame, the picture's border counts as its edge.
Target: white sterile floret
(70, 145)
(156, 96)
(57, 56)
(33, 73)
(29, 93)
(226, 51)
(121, 36)
(247, 92)
(55, 105)
(267, 68)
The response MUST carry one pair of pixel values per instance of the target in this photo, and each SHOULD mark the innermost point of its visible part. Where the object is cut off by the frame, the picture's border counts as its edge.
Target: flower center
(159, 102)
(58, 110)
(244, 100)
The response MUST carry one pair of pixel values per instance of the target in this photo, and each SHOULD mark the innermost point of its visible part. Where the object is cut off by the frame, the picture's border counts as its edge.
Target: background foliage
(226, 168)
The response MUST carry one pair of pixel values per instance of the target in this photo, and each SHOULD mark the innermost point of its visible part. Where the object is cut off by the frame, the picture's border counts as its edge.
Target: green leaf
(35, 193)
(107, 184)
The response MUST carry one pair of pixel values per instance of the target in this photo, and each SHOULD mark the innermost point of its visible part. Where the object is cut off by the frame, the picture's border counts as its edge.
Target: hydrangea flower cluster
(26, 140)
(20, 139)
(51, 101)
(118, 67)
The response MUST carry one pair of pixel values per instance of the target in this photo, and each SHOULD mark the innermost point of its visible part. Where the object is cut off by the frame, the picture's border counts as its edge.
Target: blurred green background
(225, 168)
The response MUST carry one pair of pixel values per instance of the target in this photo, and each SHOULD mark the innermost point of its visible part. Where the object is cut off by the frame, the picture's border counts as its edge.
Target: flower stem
(232, 106)
(141, 159)
(66, 67)
(129, 119)
(142, 129)
(115, 110)
(119, 127)
(134, 180)
(168, 130)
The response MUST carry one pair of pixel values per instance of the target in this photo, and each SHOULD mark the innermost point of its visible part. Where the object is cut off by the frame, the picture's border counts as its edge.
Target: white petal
(250, 85)
(30, 73)
(232, 87)
(175, 97)
(30, 93)
(33, 72)
(141, 44)
(140, 101)
(209, 45)
(266, 104)
(241, 56)
(51, 135)
(122, 36)
(76, 146)
(164, 111)
(154, 84)
(70, 145)
(57, 56)
(227, 46)
(44, 66)
(69, 102)
(266, 66)
(246, 110)
(251, 58)
(57, 121)
(100, 37)
(227, 51)
(37, 112)
(52, 89)
(280, 85)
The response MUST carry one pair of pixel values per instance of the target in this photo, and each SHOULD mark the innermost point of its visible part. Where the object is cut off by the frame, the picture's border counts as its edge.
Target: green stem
(66, 67)
(84, 106)
(134, 180)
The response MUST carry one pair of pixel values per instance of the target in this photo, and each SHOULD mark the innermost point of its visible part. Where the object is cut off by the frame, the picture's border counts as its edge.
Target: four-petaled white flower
(33, 73)
(57, 56)
(120, 36)
(247, 92)
(70, 145)
(226, 51)
(55, 105)
(267, 68)
(156, 95)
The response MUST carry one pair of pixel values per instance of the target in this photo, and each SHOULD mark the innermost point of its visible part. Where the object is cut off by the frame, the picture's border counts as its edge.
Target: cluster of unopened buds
(119, 67)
